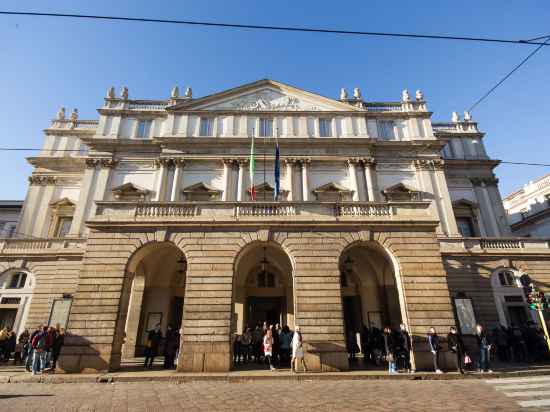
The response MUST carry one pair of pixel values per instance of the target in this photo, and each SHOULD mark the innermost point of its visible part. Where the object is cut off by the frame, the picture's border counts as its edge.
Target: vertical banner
(277, 171)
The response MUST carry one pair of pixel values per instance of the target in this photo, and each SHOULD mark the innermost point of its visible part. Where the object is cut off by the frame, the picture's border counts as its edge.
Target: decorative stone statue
(124, 93)
(61, 114)
(467, 116)
(405, 96)
(111, 93)
(189, 92)
(343, 94)
(357, 93)
(419, 95)
(74, 115)
(455, 117)
(175, 92)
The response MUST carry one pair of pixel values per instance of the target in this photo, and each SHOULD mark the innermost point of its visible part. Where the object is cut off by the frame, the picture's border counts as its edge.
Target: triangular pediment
(129, 190)
(64, 202)
(464, 203)
(400, 188)
(265, 96)
(401, 192)
(200, 187)
(331, 187)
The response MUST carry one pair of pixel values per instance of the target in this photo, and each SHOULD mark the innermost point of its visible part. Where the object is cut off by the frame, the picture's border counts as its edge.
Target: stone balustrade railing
(29, 246)
(218, 211)
(494, 245)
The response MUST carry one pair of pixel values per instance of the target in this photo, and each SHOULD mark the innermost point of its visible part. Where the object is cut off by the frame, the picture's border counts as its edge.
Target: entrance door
(264, 309)
(353, 319)
(517, 315)
(7, 318)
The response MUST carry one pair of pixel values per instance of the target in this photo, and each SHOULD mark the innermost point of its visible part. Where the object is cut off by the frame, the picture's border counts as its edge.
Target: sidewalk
(17, 374)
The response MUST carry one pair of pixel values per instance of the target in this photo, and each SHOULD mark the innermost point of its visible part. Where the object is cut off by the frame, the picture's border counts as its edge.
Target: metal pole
(544, 328)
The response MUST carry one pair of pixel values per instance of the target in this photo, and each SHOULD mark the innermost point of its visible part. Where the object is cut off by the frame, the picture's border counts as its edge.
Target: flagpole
(265, 137)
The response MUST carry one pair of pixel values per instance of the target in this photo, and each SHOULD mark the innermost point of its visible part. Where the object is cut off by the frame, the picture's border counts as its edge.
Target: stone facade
(382, 217)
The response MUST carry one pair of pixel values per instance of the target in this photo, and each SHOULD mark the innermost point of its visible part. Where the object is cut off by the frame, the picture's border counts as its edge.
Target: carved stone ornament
(357, 93)
(267, 100)
(467, 116)
(455, 117)
(175, 93)
(332, 192)
(74, 118)
(108, 162)
(487, 181)
(266, 191)
(401, 192)
(369, 162)
(129, 191)
(111, 93)
(189, 92)
(42, 180)
(343, 94)
(124, 93)
(419, 96)
(61, 114)
(405, 97)
(201, 192)
(429, 164)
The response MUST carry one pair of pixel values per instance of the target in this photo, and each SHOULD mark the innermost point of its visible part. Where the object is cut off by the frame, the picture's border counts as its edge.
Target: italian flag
(252, 169)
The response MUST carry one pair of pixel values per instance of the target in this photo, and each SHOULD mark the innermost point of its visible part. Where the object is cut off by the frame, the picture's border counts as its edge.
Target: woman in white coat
(297, 351)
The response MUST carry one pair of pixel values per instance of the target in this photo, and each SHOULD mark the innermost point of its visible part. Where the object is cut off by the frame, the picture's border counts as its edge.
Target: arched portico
(16, 289)
(157, 273)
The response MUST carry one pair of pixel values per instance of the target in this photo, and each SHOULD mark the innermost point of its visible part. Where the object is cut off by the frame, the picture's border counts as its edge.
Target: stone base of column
(326, 357)
(205, 357)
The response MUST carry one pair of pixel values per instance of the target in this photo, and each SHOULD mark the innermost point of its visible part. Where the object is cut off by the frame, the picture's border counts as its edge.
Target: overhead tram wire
(272, 28)
(33, 149)
(492, 89)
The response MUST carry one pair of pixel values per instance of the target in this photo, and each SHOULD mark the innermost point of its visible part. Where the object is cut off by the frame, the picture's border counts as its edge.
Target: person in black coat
(456, 346)
(435, 347)
(405, 347)
(389, 348)
(171, 344)
(152, 347)
(58, 343)
(484, 345)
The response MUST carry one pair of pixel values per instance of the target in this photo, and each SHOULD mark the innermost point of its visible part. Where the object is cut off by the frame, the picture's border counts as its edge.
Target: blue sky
(47, 63)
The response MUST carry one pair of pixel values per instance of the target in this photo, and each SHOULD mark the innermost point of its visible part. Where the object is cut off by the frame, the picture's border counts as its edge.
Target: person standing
(285, 339)
(389, 348)
(297, 350)
(23, 340)
(456, 346)
(484, 346)
(30, 350)
(57, 345)
(48, 353)
(246, 341)
(152, 347)
(435, 347)
(171, 344)
(268, 347)
(406, 347)
(39, 346)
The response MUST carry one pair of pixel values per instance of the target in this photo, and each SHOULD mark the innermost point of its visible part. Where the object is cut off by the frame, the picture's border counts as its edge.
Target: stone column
(163, 164)
(424, 170)
(444, 196)
(40, 227)
(240, 179)
(353, 179)
(102, 183)
(491, 185)
(227, 165)
(30, 208)
(178, 175)
(290, 177)
(134, 315)
(305, 179)
(485, 207)
(369, 166)
(84, 197)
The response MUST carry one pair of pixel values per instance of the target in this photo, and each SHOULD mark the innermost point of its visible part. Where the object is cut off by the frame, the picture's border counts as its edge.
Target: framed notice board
(61, 308)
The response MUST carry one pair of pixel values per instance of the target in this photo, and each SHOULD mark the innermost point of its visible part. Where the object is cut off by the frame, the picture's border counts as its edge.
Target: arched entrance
(371, 295)
(16, 288)
(262, 288)
(158, 272)
(510, 298)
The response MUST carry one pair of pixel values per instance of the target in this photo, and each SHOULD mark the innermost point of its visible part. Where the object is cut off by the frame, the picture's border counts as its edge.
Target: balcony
(494, 246)
(58, 246)
(283, 212)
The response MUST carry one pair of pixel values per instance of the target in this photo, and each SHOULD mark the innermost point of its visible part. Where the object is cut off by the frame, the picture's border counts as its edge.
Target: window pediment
(200, 192)
(129, 191)
(332, 192)
(401, 192)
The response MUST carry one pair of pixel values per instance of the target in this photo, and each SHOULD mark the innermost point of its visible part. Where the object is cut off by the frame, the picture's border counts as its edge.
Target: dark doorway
(517, 315)
(7, 318)
(176, 312)
(353, 318)
(264, 309)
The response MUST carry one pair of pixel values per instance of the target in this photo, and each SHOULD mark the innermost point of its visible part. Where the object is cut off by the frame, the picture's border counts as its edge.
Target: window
(144, 129)
(206, 126)
(465, 226)
(507, 278)
(266, 280)
(385, 129)
(325, 127)
(63, 226)
(266, 127)
(18, 280)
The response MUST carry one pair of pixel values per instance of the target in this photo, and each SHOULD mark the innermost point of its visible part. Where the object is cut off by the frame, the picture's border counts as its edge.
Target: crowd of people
(525, 344)
(271, 345)
(38, 351)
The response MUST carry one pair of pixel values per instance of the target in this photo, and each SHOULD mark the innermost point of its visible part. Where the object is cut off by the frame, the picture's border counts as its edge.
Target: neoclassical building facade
(148, 215)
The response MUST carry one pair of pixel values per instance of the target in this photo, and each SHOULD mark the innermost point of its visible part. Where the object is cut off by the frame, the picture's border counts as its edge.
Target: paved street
(333, 395)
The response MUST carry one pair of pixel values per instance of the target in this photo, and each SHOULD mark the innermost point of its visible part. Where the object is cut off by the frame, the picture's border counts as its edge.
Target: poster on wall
(60, 312)
(153, 319)
(466, 316)
(375, 319)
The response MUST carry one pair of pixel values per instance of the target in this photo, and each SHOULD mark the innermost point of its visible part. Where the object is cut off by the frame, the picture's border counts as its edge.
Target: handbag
(467, 360)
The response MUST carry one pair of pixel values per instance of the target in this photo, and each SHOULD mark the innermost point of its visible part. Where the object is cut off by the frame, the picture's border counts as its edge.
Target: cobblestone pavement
(333, 395)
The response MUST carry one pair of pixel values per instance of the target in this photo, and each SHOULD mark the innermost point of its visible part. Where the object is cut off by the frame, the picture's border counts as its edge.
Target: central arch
(263, 288)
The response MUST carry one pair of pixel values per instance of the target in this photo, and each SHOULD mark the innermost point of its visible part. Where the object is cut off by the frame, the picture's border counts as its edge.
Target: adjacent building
(170, 212)
(528, 209)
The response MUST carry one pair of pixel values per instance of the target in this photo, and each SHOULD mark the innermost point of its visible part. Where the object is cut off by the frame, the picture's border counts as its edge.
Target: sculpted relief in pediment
(267, 100)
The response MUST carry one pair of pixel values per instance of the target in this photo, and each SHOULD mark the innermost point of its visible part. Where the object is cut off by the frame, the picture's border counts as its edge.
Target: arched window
(507, 278)
(509, 297)
(266, 280)
(17, 281)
